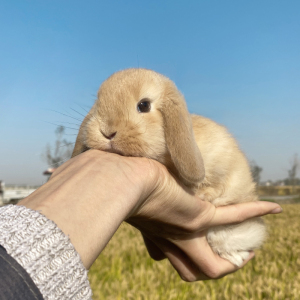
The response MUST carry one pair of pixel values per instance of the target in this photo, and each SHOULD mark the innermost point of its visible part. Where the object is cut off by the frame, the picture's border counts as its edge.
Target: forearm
(41, 232)
(88, 201)
(57, 232)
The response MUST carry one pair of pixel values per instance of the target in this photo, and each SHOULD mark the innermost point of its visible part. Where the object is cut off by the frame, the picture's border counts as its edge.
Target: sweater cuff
(45, 252)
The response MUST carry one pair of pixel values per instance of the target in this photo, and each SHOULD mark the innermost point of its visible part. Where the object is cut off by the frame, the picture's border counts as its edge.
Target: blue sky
(237, 62)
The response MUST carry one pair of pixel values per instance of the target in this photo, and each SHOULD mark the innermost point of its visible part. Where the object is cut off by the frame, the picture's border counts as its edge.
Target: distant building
(267, 183)
(49, 171)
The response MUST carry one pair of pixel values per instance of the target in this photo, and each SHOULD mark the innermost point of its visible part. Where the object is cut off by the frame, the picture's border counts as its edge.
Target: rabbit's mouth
(113, 150)
(112, 147)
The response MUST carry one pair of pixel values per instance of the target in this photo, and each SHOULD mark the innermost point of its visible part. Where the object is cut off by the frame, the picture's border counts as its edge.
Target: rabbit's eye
(144, 106)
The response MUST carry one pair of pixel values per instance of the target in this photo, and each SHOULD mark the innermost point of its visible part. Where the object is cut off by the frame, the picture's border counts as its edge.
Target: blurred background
(236, 62)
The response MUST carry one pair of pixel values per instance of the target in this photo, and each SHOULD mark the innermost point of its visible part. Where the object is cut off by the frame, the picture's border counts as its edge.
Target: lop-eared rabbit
(141, 113)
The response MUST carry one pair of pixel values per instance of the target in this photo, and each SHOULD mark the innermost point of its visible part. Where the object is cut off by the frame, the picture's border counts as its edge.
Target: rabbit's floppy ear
(180, 139)
(79, 144)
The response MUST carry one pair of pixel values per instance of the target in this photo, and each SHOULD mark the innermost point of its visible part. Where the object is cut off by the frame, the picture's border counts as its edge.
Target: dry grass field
(125, 271)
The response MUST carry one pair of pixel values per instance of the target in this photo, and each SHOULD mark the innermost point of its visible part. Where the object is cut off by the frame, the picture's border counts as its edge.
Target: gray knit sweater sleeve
(45, 252)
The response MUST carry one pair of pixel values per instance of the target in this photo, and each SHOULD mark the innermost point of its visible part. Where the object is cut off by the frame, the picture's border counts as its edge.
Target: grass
(285, 201)
(125, 271)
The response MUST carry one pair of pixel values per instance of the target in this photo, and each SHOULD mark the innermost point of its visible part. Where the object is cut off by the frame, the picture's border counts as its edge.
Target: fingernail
(277, 210)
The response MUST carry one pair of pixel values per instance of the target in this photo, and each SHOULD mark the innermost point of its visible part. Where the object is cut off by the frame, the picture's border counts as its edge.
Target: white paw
(233, 242)
(236, 258)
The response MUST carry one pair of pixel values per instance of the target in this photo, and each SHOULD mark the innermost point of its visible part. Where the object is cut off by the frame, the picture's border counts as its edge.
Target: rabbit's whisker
(77, 112)
(81, 106)
(76, 124)
(65, 115)
(63, 126)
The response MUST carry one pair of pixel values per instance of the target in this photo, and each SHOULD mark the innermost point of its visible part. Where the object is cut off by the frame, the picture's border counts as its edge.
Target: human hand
(174, 223)
(90, 195)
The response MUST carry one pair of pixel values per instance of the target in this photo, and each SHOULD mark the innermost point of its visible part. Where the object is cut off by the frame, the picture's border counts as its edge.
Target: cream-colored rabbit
(141, 113)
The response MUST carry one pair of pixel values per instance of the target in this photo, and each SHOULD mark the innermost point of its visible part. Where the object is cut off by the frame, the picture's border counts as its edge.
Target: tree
(292, 178)
(62, 150)
(255, 170)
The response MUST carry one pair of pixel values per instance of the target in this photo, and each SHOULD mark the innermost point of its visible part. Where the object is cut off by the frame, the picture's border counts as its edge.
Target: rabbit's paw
(237, 258)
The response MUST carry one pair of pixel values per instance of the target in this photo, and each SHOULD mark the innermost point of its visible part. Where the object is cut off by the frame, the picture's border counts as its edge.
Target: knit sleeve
(45, 252)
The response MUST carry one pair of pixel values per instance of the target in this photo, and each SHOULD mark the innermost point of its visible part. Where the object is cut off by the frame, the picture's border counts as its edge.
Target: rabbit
(140, 112)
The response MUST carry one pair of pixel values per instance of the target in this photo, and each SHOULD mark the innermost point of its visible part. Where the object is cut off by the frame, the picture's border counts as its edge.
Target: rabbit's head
(141, 113)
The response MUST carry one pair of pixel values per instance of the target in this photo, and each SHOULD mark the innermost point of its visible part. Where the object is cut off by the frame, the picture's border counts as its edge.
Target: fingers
(185, 267)
(211, 266)
(153, 250)
(194, 259)
(238, 213)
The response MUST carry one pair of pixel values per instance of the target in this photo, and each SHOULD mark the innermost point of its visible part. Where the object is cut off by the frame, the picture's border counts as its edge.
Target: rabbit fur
(196, 150)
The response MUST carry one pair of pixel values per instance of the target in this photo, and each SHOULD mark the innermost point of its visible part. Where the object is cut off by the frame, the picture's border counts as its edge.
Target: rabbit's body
(228, 178)
(122, 122)
(227, 181)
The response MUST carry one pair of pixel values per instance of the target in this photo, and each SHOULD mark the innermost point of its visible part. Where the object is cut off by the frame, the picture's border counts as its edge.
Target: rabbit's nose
(109, 136)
